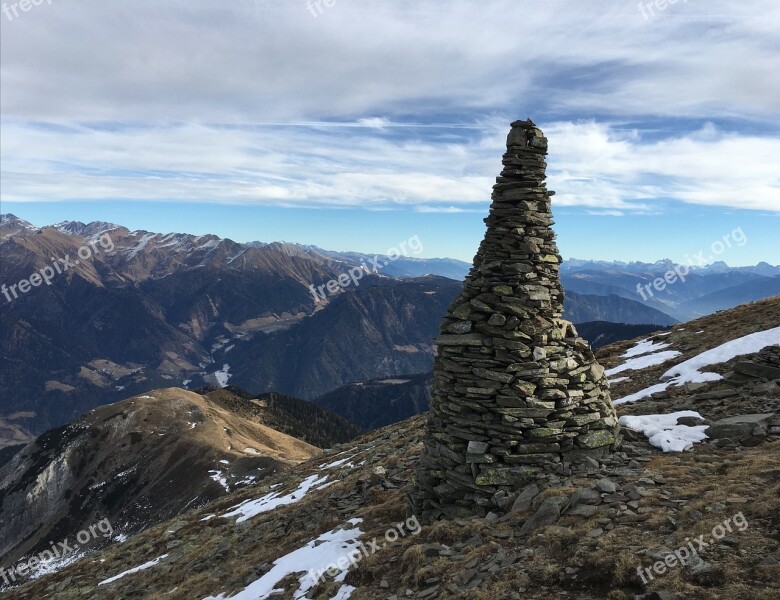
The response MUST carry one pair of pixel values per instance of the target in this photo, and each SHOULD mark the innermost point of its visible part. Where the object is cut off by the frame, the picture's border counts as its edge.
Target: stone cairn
(517, 396)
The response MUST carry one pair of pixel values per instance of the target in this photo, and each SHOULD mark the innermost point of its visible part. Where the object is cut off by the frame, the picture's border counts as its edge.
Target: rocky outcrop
(746, 430)
(517, 394)
(763, 366)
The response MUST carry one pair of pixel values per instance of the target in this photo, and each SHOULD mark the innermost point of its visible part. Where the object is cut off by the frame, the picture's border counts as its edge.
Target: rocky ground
(620, 529)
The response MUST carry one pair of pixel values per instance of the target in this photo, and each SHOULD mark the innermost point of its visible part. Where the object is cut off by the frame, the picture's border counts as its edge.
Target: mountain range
(705, 289)
(133, 311)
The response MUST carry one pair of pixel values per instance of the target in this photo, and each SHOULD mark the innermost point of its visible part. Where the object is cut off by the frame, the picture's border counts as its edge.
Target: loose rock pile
(764, 366)
(517, 394)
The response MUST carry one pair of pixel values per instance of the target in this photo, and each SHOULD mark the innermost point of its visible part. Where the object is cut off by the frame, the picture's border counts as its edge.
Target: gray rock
(607, 486)
(586, 496)
(697, 565)
(740, 427)
(477, 447)
(549, 512)
(525, 499)
(690, 421)
(756, 370)
(594, 533)
(583, 510)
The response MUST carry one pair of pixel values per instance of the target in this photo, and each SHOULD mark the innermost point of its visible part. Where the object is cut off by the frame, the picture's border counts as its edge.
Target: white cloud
(403, 103)
(596, 165)
(203, 60)
(591, 165)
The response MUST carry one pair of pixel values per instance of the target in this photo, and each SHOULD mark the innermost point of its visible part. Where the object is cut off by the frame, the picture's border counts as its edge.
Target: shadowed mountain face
(147, 458)
(148, 310)
(603, 333)
(298, 418)
(374, 404)
(379, 331)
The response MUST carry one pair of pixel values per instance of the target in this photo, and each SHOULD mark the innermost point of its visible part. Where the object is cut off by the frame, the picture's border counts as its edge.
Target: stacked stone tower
(517, 395)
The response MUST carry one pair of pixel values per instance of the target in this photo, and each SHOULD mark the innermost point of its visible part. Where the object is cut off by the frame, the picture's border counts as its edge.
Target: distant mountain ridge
(699, 292)
(582, 308)
(396, 266)
(572, 265)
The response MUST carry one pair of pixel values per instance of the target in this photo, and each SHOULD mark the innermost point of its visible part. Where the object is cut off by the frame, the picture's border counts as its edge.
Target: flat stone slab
(740, 426)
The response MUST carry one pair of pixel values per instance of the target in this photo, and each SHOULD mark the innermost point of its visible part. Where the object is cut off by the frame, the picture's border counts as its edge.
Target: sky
(356, 126)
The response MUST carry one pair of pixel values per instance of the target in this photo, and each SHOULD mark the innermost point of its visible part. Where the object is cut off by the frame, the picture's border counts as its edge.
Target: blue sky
(363, 126)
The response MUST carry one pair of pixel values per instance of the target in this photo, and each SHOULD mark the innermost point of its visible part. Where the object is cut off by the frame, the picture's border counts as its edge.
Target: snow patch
(220, 478)
(643, 362)
(223, 375)
(644, 347)
(130, 253)
(317, 555)
(143, 567)
(338, 463)
(663, 432)
(645, 393)
(689, 370)
(250, 508)
(52, 566)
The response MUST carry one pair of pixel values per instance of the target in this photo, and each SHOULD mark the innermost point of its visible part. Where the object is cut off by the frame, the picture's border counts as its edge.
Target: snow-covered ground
(52, 566)
(689, 371)
(663, 432)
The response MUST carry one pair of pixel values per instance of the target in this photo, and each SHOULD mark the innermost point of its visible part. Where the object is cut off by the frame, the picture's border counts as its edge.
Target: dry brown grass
(560, 542)
(413, 558)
